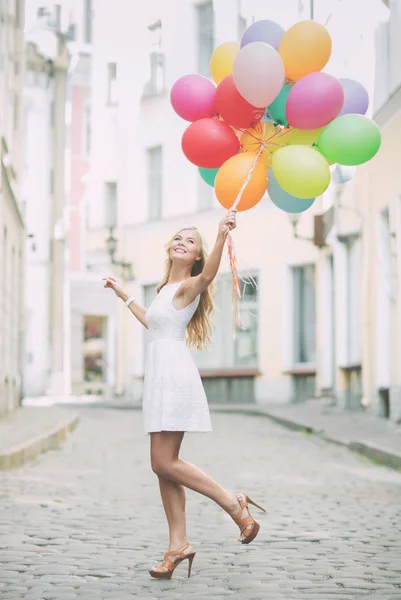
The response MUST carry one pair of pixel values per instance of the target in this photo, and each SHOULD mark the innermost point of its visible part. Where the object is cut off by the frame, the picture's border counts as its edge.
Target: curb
(384, 456)
(16, 456)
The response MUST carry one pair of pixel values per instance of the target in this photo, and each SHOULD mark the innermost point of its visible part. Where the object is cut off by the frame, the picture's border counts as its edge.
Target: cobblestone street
(86, 521)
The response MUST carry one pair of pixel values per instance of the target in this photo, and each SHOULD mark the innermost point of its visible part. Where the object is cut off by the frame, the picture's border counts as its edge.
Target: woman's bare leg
(165, 446)
(173, 498)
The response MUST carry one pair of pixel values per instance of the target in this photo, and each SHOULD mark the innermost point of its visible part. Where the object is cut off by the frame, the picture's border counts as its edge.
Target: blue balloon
(278, 106)
(283, 200)
(266, 117)
(265, 31)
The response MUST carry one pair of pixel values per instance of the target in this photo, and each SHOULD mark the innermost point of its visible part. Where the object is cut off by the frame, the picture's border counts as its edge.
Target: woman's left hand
(229, 222)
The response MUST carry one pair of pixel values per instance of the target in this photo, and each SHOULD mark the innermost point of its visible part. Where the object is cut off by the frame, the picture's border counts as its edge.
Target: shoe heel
(250, 501)
(190, 561)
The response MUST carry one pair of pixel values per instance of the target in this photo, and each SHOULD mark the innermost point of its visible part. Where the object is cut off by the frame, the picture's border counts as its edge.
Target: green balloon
(208, 175)
(277, 107)
(350, 140)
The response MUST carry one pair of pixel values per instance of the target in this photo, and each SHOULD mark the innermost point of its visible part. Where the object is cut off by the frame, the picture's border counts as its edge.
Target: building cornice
(389, 109)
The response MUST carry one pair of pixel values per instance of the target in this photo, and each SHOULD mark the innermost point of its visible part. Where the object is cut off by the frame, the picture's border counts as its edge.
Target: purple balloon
(314, 101)
(263, 31)
(356, 98)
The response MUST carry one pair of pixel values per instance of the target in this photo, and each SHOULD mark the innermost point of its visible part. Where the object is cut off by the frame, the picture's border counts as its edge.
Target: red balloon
(233, 108)
(208, 143)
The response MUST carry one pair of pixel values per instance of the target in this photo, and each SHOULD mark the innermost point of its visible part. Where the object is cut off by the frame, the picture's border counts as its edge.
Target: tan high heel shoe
(244, 519)
(170, 565)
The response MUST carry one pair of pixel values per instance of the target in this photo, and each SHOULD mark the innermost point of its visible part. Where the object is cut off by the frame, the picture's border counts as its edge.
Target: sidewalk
(34, 429)
(377, 438)
(29, 431)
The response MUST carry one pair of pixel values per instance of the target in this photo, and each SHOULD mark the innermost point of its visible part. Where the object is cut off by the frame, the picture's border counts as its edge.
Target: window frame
(205, 38)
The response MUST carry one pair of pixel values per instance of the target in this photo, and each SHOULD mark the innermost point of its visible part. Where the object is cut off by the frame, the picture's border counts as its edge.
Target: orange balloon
(305, 48)
(231, 177)
(264, 133)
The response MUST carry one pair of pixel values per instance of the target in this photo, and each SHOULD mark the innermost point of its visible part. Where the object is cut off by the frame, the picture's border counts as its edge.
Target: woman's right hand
(110, 282)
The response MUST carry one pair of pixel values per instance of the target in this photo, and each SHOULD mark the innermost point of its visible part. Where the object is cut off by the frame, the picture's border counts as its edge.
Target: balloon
(258, 73)
(233, 108)
(305, 48)
(192, 97)
(208, 175)
(305, 137)
(314, 101)
(266, 117)
(263, 31)
(263, 133)
(277, 107)
(231, 177)
(222, 61)
(301, 171)
(283, 200)
(350, 140)
(208, 143)
(356, 98)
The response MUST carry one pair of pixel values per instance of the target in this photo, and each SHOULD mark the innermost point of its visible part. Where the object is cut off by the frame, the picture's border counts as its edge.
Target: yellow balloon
(301, 171)
(305, 137)
(305, 48)
(222, 61)
(265, 134)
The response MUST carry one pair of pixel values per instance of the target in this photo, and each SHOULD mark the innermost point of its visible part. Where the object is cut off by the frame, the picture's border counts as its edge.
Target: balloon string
(236, 288)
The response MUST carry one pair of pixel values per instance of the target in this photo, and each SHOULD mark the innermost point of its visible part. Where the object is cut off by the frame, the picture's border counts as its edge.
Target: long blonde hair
(200, 327)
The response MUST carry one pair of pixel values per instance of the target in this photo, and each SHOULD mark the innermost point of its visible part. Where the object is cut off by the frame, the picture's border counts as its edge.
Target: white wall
(36, 194)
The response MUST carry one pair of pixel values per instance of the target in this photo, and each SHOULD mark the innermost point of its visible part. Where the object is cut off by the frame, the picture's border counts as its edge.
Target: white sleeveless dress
(173, 398)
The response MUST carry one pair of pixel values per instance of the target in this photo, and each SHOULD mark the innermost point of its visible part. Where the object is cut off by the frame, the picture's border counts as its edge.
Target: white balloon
(258, 73)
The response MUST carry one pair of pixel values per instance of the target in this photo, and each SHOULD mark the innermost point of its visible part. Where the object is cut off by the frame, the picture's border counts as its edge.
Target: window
(205, 37)
(155, 181)
(225, 353)
(156, 84)
(111, 204)
(94, 348)
(112, 84)
(353, 302)
(246, 343)
(205, 195)
(304, 314)
(88, 21)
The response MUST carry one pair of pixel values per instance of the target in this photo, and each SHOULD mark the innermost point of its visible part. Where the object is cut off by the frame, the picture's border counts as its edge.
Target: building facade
(12, 228)
(320, 323)
(43, 187)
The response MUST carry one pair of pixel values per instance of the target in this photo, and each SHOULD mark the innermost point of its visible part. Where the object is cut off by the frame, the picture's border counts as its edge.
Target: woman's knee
(161, 467)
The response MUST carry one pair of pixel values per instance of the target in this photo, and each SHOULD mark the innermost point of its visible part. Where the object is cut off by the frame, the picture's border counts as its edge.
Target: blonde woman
(174, 400)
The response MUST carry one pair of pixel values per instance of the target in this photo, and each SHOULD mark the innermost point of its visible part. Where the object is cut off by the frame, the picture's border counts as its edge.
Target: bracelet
(130, 299)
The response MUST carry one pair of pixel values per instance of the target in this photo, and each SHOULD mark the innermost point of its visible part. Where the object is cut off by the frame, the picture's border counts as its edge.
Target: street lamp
(111, 247)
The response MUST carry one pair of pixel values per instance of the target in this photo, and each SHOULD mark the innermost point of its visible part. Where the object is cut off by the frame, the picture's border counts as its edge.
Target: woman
(174, 400)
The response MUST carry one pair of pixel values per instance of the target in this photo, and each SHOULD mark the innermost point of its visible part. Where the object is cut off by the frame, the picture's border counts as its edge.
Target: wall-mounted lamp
(111, 247)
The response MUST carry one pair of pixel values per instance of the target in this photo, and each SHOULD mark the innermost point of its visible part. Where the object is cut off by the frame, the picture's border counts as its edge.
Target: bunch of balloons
(273, 120)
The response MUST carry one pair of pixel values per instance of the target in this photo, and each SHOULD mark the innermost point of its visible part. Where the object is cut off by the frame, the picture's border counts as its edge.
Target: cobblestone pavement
(86, 521)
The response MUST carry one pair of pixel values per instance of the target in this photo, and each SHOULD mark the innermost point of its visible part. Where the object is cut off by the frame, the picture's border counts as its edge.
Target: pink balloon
(258, 73)
(314, 101)
(193, 97)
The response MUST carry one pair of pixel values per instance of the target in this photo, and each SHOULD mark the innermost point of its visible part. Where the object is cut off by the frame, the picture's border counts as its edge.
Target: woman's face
(186, 247)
